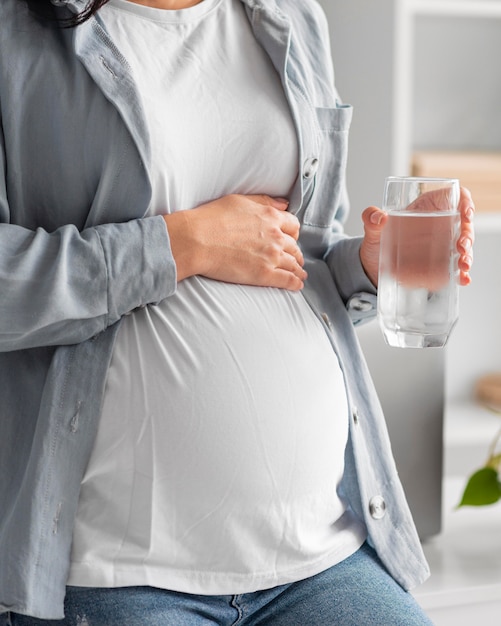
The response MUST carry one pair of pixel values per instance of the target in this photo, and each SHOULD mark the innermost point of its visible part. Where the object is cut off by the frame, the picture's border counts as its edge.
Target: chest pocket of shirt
(327, 190)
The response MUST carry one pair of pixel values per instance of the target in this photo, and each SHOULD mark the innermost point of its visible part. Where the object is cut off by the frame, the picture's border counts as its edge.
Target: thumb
(374, 220)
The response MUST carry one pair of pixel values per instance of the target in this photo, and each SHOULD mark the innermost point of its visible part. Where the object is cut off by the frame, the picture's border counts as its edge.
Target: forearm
(65, 287)
(346, 268)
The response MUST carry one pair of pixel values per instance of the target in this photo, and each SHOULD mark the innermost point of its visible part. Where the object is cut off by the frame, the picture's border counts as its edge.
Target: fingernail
(376, 218)
(469, 213)
(465, 244)
(466, 262)
(282, 200)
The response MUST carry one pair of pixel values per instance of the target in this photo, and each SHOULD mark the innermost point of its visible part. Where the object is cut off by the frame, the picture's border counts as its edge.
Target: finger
(282, 204)
(289, 224)
(467, 232)
(374, 220)
(466, 209)
(464, 279)
(291, 248)
(284, 279)
(466, 202)
(464, 264)
(467, 236)
(289, 262)
(465, 244)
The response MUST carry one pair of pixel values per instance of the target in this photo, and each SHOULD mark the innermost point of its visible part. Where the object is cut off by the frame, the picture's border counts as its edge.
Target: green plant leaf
(483, 488)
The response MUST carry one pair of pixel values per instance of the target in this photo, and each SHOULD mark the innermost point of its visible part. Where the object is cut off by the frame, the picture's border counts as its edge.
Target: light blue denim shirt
(77, 254)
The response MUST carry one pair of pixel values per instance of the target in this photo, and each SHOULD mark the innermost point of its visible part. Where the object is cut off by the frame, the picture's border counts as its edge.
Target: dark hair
(49, 10)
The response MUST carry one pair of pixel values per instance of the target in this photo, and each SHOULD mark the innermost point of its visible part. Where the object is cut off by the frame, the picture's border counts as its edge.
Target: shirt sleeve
(354, 286)
(66, 286)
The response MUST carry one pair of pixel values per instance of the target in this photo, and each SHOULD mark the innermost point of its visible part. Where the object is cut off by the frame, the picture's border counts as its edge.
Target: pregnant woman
(189, 434)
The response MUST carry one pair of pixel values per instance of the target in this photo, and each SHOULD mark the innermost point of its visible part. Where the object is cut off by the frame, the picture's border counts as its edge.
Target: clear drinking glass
(418, 272)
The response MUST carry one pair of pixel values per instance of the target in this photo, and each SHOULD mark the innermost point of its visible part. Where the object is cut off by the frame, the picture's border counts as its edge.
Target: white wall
(475, 346)
(364, 79)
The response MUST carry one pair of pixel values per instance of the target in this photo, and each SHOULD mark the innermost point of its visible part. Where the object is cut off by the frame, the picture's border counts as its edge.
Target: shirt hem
(85, 574)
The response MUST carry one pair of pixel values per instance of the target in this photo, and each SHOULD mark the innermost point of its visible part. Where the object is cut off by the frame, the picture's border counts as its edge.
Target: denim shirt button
(361, 305)
(356, 417)
(310, 167)
(377, 507)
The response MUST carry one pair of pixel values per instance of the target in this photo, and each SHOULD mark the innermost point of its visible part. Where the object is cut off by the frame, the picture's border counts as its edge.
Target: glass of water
(418, 265)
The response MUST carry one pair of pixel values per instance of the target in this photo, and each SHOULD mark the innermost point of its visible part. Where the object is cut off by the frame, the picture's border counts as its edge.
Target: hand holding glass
(418, 275)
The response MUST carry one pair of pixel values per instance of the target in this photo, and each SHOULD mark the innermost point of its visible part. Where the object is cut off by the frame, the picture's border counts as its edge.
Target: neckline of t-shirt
(166, 16)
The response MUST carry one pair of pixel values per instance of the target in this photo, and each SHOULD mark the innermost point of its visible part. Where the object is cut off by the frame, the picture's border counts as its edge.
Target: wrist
(183, 242)
(369, 265)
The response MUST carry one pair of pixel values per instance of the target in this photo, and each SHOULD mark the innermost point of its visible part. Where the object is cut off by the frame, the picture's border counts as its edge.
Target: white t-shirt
(221, 442)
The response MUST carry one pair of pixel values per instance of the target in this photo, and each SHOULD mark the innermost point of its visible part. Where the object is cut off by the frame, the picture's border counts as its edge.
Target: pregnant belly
(223, 402)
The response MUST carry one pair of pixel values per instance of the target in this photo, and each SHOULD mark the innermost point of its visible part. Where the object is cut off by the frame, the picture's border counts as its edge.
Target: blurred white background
(423, 76)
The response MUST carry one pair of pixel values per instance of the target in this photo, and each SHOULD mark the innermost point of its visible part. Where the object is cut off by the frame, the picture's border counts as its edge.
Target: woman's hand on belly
(250, 240)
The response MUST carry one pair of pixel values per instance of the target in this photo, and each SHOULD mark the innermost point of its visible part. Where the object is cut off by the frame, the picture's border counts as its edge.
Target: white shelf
(469, 430)
(465, 558)
(407, 14)
(462, 8)
(465, 563)
(469, 423)
(488, 223)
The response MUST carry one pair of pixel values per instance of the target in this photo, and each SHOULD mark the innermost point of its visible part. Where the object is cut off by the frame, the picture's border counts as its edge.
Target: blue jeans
(356, 592)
